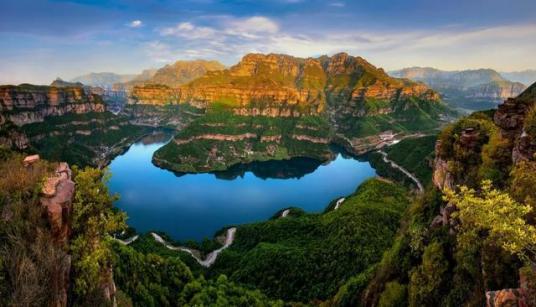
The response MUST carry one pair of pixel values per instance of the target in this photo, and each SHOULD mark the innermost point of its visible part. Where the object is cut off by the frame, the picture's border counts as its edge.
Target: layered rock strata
(25, 104)
(282, 85)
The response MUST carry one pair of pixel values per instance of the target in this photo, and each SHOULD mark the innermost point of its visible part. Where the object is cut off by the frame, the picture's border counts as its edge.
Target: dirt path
(403, 170)
(211, 257)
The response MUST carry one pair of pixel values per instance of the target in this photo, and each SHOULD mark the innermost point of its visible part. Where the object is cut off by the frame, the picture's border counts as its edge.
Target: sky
(45, 39)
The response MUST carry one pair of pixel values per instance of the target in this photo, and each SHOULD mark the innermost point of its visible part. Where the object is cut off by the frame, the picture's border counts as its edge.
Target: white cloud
(189, 31)
(135, 23)
(228, 38)
(337, 4)
(256, 24)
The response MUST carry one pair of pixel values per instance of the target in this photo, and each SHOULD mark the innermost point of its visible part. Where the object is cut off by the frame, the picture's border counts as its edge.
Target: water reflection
(195, 206)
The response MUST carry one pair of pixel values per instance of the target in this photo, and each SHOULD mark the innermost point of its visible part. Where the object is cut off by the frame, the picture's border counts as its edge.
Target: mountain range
(382, 245)
(526, 77)
(347, 99)
(470, 89)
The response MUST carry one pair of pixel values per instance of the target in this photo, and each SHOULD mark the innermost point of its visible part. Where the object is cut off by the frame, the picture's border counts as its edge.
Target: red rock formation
(58, 192)
(282, 85)
(57, 199)
(524, 296)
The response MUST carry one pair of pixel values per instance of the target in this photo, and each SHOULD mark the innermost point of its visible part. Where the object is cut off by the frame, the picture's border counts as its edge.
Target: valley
(277, 181)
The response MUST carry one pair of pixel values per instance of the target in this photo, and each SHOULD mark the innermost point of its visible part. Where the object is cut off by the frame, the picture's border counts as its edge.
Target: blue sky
(43, 39)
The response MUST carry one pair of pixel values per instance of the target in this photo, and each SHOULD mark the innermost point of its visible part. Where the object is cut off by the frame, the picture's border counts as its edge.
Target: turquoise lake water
(195, 206)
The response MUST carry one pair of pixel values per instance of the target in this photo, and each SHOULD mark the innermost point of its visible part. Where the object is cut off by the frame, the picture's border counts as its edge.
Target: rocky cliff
(487, 142)
(25, 104)
(215, 142)
(517, 119)
(282, 85)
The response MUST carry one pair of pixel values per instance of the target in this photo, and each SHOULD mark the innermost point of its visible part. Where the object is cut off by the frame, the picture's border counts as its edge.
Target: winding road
(403, 170)
(127, 241)
(339, 203)
(211, 257)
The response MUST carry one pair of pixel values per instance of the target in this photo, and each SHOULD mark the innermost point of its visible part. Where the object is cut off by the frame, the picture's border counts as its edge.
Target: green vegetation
(408, 116)
(480, 154)
(220, 139)
(92, 221)
(33, 256)
(316, 252)
(414, 154)
(489, 234)
(495, 214)
(82, 139)
(27, 257)
(152, 280)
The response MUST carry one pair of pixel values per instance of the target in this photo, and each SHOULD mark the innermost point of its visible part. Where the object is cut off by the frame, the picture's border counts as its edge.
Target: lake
(195, 206)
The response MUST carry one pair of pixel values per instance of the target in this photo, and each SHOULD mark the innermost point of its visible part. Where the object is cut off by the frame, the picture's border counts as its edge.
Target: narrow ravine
(403, 170)
(211, 257)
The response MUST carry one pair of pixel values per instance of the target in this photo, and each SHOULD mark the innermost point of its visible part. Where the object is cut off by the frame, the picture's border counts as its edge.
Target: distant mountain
(182, 72)
(470, 89)
(526, 77)
(62, 83)
(104, 80)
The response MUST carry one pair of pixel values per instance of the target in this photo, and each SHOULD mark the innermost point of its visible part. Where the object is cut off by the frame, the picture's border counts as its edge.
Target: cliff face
(509, 136)
(215, 142)
(517, 119)
(154, 94)
(282, 85)
(25, 104)
(496, 90)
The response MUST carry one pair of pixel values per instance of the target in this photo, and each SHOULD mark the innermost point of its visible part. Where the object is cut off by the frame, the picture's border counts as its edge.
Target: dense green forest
(221, 139)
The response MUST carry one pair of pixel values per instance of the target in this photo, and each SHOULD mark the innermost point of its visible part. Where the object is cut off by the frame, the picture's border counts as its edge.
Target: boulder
(505, 298)
(29, 160)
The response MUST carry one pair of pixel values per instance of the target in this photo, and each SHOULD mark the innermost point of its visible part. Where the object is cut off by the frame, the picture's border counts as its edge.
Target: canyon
(340, 99)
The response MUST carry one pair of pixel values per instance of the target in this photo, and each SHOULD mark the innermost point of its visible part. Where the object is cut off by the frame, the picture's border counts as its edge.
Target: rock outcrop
(57, 197)
(441, 176)
(517, 119)
(524, 296)
(514, 121)
(25, 104)
(282, 85)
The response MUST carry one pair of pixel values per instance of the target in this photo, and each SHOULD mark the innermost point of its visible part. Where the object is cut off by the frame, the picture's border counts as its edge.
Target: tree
(426, 279)
(93, 220)
(493, 217)
(523, 181)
